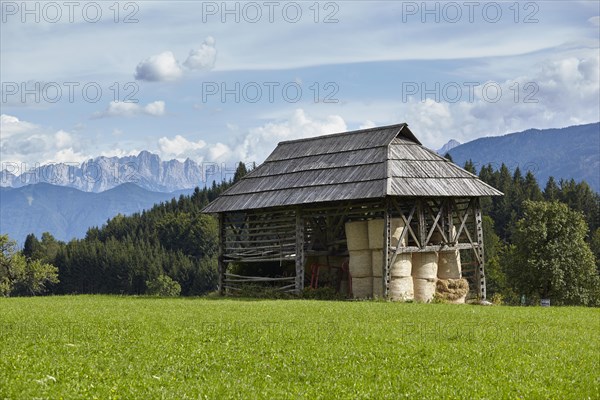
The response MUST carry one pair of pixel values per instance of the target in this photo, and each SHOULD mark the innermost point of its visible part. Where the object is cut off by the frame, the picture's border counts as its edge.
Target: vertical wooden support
(450, 219)
(480, 274)
(422, 223)
(386, 249)
(220, 263)
(299, 252)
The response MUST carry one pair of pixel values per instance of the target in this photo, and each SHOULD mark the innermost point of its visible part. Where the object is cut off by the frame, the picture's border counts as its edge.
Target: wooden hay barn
(295, 205)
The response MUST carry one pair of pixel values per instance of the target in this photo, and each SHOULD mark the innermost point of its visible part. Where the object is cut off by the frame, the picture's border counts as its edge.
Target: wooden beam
(479, 251)
(221, 265)
(386, 254)
(299, 252)
(421, 222)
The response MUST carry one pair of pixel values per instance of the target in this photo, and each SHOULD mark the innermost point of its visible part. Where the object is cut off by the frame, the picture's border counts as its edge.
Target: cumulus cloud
(557, 93)
(255, 144)
(164, 67)
(121, 109)
(179, 147)
(24, 145)
(204, 57)
(10, 125)
(160, 67)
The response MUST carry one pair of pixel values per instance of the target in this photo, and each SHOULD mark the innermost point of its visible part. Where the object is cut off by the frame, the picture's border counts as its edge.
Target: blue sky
(226, 83)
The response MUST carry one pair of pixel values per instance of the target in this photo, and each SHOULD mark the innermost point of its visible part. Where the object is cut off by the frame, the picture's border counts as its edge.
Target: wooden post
(220, 263)
(480, 273)
(422, 223)
(386, 247)
(299, 252)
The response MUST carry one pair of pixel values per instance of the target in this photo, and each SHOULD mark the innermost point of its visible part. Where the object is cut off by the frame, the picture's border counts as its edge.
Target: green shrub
(163, 286)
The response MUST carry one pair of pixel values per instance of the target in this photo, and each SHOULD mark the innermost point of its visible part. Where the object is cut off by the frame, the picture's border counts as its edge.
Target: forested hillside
(175, 239)
(566, 153)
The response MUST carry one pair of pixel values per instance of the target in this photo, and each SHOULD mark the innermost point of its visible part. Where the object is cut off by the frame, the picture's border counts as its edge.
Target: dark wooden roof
(365, 164)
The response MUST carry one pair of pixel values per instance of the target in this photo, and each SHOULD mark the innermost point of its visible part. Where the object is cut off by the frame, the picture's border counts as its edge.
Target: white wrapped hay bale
(401, 289)
(377, 262)
(402, 266)
(376, 231)
(397, 226)
(357, 235)
(449, 265)
(360, 263)
(362, 288)
(452, 290)
(425, 265)
(377, 287)
(424, 289)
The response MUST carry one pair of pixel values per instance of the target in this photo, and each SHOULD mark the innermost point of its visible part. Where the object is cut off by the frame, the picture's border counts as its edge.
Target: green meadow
(107, 347)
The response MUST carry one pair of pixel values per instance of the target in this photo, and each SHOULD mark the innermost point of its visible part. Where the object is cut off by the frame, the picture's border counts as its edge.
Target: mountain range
(66, 212)
(96, 175)
(66, 200)
(567, 153)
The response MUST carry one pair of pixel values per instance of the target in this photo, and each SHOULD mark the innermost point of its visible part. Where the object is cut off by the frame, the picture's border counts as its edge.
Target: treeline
(540, 242)
(172, 239)
(175, 240)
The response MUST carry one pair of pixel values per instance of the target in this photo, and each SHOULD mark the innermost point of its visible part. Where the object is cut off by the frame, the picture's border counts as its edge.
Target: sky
(226, 81)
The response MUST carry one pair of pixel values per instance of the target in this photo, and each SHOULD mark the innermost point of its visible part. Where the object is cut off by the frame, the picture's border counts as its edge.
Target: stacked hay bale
(449, 265)
(401, 286)
(424, 275)
(452, 290)
(361, 271)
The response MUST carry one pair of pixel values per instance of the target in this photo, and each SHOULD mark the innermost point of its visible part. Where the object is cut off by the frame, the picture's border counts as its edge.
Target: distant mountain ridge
(67, 213)
(565, 153)
(96, 175)
(447, 147)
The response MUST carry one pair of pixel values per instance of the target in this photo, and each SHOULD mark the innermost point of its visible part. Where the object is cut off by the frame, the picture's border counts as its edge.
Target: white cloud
(164, 67)
(63, 139)
(558, 92)
(179, 147)
(367, 124)
(260, 141)
(10, 125)
(160, 67)
(203, 58)
(594, 20)
(256, 143)
(24, 144)
(122, 109)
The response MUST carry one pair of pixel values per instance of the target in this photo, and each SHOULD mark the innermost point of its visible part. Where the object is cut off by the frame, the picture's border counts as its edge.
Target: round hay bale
(377, 287)
(397, 225)
(362, 288)
(377, 262)
(452, 290)
(424, 289)
(376, 231)
(360, 264)
(357, 236)
(424, 265)
(401, 289)
(402, 266)
(449, 265)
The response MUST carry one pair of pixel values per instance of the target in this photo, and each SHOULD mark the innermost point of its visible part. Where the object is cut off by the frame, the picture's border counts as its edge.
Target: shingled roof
(364, 164)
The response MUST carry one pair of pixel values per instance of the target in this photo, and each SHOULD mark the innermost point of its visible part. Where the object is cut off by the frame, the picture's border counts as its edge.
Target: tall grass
(123, 348)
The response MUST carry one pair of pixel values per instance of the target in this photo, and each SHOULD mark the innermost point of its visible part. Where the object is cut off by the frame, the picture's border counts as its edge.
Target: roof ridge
(328, 135)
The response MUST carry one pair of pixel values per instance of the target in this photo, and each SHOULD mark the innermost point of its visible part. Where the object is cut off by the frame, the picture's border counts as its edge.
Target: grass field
(148, 348)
